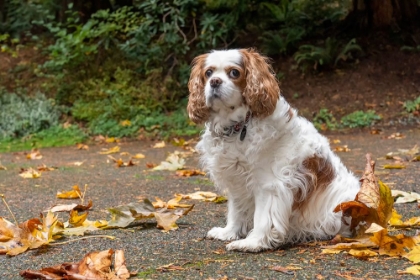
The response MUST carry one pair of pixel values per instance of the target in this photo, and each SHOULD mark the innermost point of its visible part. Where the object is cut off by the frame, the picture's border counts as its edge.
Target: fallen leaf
(29, 173)
(34, 154)
(78, 163)
(342, 149)
(396, 135)
(138, 156)
(365, 253)
(31, 234)
(173, 162)
(150, 165)
(331, 251)
(75, 219)
(200, 195)
(169, 267)
(189, 173)
(405, 197)
(376, 131)
(44, 168)
(124, 215)
(112, 140)
(81, 146)
(121, 163)
(393, 166)
(414, 270)
(410, 152)
(113, 150)
(159, 145)
(282, 270)
(95, 266)
(2, 167)
(75, 193)
(69, 207)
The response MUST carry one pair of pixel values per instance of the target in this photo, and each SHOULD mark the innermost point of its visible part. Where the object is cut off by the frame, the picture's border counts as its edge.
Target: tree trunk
(382, 13)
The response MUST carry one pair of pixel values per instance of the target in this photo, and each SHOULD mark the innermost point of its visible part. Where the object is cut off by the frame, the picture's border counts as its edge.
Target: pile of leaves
(373, 219)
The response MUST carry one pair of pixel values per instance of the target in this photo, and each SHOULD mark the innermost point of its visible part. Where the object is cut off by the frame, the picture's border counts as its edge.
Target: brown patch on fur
(262, 90)
(240, 82)
(197, 109)
(318, 173)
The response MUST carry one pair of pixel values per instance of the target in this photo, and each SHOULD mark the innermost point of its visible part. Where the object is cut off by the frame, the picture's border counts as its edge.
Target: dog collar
(238, 127)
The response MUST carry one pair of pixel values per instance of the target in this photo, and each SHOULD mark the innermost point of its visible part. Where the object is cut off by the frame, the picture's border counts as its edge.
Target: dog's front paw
(223, 234)
(248, 245)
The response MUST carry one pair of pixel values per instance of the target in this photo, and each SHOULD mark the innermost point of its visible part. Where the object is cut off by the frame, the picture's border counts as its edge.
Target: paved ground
(147, 248)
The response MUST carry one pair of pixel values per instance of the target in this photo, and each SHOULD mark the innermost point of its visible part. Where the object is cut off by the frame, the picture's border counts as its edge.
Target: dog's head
(229, 79)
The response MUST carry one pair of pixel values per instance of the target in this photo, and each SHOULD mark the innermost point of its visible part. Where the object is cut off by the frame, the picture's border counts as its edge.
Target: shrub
(327, 56)
(360, 119)
(324, 120)
(412, 106)
(21, 115)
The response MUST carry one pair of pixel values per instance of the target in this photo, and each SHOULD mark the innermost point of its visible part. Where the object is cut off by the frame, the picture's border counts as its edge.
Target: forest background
(72, 69)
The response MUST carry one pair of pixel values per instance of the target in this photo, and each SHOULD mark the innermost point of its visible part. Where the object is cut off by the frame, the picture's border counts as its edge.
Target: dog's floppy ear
(262, 90)
(197, 109)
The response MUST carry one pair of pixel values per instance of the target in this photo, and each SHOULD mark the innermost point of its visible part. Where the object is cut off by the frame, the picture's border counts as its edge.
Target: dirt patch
(382, 81)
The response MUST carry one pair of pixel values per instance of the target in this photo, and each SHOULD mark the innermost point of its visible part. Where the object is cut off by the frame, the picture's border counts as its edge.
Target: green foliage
(328, 56)
(21, 115)
(324, 120)
(360, 119)
(54, 136)
(412, 106)
(411, 49)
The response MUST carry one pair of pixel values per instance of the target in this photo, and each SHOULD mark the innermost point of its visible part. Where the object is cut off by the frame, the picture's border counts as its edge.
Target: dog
(280, 175)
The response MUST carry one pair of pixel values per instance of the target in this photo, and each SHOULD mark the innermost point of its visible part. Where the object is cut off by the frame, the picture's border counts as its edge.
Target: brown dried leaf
(159, 145)
(69, 207)
(43, 168)
(94, 266)
(29, 173)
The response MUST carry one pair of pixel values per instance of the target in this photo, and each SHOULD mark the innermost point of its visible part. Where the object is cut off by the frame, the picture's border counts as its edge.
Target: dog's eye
(234, 73)
(208, 73)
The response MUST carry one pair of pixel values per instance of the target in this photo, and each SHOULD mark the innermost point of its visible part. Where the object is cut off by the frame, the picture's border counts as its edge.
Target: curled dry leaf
(159, 145)
(34, 154)
(173, 162)
(16, 239)
(282, 270)
(43, 168)
(2, 167)
(205, 196)
(112, 140)
(366, 253)
(69, 207)
(189, 173)
(29, 173)
(94, 266)
(171, 204)
(124, 215)
(405, 197)
(113, 150)
(75, 193)
(169, 267)
(121, 163)
(78, 163)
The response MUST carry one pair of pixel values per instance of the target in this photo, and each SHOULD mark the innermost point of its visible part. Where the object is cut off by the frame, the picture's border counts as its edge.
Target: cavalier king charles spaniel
(281, 177)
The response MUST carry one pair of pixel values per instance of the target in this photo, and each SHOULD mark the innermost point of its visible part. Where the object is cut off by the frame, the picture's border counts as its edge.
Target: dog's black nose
(215, 82)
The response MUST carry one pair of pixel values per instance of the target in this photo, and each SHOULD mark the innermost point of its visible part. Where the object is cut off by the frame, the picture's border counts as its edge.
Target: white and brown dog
(282, 179)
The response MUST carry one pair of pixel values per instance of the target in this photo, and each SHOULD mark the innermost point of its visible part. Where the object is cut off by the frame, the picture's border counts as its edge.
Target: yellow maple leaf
(413, 255)
(414, 270)
(113, 150)
(365, 253)
(75, 193)
(75, 219)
